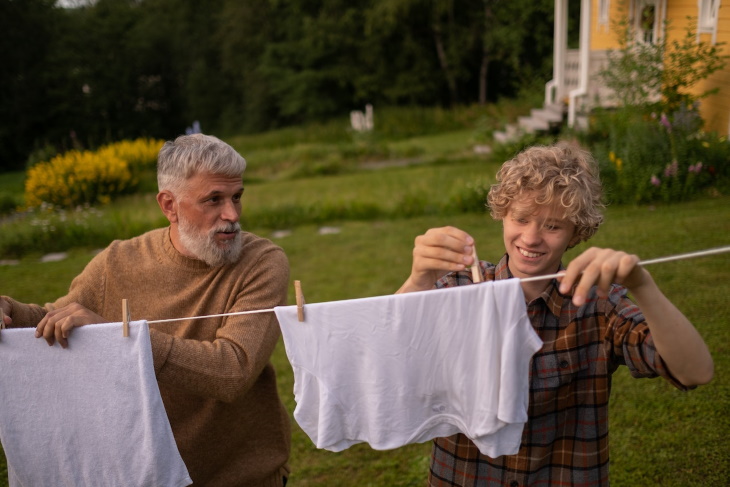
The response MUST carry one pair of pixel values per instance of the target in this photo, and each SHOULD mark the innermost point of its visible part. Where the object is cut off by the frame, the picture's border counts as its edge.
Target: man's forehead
(206, 179)
(524, 207)
(207, 183)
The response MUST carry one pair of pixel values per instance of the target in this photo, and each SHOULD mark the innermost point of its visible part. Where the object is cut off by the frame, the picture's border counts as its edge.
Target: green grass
(301, 179)
(441, 187)
(659, 436)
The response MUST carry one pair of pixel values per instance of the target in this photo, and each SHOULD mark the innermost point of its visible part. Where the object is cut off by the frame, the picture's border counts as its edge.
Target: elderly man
(214, 374)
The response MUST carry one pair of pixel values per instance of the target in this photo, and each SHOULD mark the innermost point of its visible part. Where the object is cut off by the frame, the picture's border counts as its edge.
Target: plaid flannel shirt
(565, 441)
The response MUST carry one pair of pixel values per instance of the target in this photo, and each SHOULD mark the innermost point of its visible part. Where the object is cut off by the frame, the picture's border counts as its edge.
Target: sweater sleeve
(86, 289)
(227, 367)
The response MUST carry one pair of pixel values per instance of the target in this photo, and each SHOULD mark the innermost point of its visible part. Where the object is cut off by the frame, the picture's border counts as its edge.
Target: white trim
(604, 9)
(585, 51)
(554, 89)
(657, 28)
(707, 18)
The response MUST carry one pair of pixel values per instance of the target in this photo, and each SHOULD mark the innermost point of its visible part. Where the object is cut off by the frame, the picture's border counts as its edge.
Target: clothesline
(658, 260)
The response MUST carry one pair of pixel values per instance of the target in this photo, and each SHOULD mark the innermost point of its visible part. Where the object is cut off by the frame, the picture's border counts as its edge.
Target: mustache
(228, 228)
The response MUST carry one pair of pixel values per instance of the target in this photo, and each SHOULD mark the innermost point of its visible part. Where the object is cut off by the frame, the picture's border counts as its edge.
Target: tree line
(116, 69)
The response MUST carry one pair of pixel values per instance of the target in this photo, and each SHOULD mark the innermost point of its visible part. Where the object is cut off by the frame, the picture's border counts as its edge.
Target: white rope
(271, 310)
(658, 260)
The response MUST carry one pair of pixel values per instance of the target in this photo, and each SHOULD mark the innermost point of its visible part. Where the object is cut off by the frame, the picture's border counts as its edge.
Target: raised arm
(435, 254)
(676, 339)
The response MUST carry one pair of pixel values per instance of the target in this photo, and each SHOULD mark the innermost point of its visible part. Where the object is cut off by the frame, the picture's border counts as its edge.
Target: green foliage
(77, 78)
(652, 157)
(652, 148)
(641, 73)
(48, 229)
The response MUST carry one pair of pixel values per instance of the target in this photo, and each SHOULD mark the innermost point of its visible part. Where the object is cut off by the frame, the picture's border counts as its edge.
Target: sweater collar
(179, 259)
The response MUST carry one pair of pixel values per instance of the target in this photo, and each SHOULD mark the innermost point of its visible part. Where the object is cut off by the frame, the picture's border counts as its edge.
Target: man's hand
(57, 325)
(602, 267)
(5, 308)
(436, 253)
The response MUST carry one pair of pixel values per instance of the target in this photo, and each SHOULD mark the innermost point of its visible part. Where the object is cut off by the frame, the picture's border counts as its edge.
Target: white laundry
(406, 368)
(89, 415)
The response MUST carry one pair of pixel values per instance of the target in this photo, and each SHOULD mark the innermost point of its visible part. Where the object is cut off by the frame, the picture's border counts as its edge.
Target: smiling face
(204, 218)
(535, 237)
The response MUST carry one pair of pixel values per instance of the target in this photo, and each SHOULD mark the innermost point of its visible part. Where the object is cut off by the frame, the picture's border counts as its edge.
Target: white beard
(204, 246)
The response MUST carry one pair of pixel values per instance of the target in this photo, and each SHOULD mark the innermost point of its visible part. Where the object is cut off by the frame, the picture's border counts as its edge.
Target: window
(603, 10)
(648, 20)
(708, 15)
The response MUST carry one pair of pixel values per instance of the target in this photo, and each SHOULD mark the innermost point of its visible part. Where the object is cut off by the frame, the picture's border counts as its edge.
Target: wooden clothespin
(476, 274)
(300, 300)
(126, 318)
(2, 319)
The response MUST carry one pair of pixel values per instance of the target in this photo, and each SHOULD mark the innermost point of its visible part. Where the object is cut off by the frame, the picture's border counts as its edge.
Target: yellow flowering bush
(138, 153)
(89, 177)
(76, 178)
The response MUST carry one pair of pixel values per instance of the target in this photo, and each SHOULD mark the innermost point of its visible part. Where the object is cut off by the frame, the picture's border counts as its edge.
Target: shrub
(139, 154)
(77, 178)
(85, 177)
(657, 156)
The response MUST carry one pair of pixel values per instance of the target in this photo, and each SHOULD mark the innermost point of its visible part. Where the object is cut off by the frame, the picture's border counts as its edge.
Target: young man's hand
(602, 267)
(435, 254)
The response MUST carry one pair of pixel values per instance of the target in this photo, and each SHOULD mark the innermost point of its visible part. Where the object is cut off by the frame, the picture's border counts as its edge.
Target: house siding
(604, 37)
(715, 109)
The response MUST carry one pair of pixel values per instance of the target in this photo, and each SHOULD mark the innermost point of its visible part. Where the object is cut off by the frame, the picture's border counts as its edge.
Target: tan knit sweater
(216, 381)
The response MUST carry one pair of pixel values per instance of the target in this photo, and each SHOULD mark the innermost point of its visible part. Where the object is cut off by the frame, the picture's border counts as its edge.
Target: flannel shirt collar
(551, 296)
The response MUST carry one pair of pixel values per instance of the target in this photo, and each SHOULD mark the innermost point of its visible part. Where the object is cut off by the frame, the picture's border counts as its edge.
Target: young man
(214, 374)
(549, 200)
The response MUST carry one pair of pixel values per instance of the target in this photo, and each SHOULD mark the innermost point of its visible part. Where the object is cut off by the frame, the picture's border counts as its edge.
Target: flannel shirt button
(564, 364)
(514, 483)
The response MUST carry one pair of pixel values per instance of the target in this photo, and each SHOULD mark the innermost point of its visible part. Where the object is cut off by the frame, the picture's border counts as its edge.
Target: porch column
(584, 55)
(555, 88)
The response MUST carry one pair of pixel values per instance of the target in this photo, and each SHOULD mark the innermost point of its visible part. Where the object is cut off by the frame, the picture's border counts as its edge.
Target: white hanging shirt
(406, 368)
(89, 415)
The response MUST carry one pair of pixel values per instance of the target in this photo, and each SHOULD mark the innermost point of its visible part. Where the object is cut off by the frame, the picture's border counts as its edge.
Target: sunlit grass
(659, 436)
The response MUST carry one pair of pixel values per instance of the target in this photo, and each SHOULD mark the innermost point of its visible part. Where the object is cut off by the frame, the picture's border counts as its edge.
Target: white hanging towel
(406, 368)
(89, 415)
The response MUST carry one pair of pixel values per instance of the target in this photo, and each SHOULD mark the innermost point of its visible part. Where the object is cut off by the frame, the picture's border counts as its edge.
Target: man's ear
(574, 241)
(168, 205)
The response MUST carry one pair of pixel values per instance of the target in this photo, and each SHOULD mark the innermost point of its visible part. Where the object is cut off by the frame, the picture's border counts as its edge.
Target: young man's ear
(574, 241)
(168, 205)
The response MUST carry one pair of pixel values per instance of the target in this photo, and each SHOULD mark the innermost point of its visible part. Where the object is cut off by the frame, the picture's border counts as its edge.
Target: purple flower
(665, 121)
(655, 180)
(671, 169)
(696, 168)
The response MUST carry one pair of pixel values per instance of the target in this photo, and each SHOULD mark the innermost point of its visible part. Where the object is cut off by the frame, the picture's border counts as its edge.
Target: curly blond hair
(562, 175)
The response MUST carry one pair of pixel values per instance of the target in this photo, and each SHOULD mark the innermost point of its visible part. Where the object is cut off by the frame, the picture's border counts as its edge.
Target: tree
(26, 43)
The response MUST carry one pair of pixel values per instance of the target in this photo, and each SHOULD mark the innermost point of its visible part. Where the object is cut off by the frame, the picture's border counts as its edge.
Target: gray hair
(188, 155)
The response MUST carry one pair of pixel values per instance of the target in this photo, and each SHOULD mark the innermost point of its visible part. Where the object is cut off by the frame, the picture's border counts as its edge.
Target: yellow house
(575, 80)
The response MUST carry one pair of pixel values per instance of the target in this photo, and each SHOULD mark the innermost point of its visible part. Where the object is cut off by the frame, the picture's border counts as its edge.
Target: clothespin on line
(300, 300)
(476, 274)
(2, 319)
(126, 318)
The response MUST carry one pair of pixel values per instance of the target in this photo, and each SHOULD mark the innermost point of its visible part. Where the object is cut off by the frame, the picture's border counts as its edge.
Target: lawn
(373, 211)
(660, 436)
